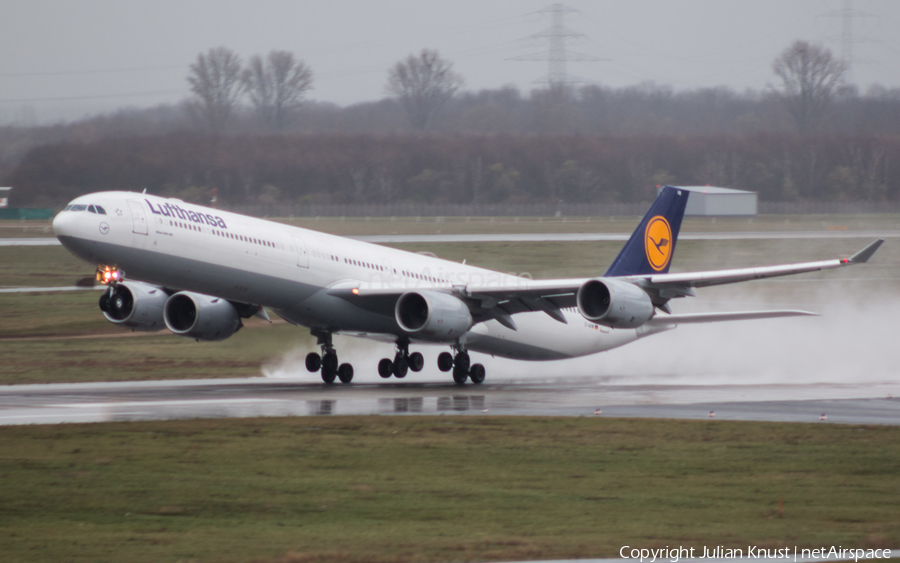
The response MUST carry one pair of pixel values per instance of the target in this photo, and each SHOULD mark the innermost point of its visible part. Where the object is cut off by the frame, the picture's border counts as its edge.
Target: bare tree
(423, 83)
(215, 80)
(276, 85)
(811, 75)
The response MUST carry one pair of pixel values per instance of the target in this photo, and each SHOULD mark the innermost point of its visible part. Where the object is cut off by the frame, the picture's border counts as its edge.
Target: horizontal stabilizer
(691, 318)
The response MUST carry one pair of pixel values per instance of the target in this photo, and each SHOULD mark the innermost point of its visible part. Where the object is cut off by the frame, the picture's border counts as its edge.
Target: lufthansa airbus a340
(198, 271)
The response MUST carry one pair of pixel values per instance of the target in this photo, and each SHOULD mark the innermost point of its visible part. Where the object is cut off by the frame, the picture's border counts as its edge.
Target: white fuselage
(187, 247)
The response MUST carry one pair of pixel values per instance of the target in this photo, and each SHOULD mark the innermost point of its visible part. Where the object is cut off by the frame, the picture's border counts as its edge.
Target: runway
(571, 396)
(560, 237)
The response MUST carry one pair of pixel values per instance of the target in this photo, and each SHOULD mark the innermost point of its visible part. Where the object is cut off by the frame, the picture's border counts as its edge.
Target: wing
(552, 296)
(683, 284)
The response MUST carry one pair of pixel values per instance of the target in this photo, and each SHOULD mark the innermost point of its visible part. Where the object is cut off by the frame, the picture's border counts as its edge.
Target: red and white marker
(597, 411)
(823, 417)
(712, 414)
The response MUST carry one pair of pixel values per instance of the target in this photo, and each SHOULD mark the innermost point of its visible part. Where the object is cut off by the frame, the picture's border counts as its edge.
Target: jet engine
(136, 305)
(614, 303)
(201, 316)
(433, 315)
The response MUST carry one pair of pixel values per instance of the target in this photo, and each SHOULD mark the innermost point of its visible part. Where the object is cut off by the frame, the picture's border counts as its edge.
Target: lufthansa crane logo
(658, 243)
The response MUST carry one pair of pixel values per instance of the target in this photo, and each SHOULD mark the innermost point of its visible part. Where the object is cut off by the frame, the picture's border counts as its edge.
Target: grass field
(388, 489)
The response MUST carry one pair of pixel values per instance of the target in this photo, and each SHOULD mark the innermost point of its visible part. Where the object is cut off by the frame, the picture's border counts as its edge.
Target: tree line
(248, 132)
(459, 168)
(425, 84)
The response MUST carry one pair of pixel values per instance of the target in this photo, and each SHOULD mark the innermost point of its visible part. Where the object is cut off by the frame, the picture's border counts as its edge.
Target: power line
(95, 71)
(93, 97)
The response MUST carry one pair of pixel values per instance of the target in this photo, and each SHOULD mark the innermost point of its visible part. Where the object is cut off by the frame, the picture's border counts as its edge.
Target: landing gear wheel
(461, 367)
(401, 366)
(328, 375)
(460, 375)
(330, 361)
(445, 361)
(416, 361)
(476, 374)
(345, 373)
(385, 368)
(462, 361)
(313, 361)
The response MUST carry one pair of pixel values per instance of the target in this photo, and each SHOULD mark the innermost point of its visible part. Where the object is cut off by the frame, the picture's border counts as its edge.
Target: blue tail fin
(651, 246)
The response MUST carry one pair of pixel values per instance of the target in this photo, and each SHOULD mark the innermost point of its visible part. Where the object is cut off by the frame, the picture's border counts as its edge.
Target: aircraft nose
(62, 224)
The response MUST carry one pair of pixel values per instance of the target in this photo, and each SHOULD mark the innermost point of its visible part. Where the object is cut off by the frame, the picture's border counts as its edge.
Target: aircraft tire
(313, 362)
(345, 373)
(330, 361)
(416, 361)
(385, 368)
(476, 374)
(460, 375)
(445, 361)
(462, 362)
(328, 375)
(401, 367)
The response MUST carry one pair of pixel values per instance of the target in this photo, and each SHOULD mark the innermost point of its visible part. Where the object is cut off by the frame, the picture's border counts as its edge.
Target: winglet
(863, 255)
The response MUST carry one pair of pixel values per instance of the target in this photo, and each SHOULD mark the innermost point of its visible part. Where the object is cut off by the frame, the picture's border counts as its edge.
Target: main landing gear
(328, 362)
(462, 367)
(403, 362)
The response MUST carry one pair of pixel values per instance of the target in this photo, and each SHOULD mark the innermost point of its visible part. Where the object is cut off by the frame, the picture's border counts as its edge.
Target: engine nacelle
(201, 316)
(136, 305)
(433, 315)
(614, 303)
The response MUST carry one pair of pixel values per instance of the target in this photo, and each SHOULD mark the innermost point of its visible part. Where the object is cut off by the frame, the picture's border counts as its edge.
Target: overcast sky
(64, 59)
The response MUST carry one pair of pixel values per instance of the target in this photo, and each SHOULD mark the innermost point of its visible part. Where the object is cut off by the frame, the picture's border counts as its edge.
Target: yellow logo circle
(658, 243)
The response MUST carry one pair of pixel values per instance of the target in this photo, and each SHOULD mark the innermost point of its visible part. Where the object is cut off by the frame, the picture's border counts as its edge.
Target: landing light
(355, 291)
(108, 276)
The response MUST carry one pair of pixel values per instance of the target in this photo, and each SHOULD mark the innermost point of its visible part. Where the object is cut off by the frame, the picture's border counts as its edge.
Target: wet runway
(559, 237)
(571, 396)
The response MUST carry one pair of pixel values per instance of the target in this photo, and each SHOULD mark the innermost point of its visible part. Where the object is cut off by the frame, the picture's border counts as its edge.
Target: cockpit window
(78, 208)
(68, 207)
(92, 209)
(100, 210)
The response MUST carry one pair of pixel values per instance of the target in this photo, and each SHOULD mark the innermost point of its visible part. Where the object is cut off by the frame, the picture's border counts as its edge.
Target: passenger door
(138, 217)
(301, 250)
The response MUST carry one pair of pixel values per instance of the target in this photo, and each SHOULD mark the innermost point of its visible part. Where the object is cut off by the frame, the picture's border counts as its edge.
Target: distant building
(4, 197)
(710, 201)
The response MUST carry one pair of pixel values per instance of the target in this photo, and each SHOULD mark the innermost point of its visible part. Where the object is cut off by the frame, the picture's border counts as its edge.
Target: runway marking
(46, 289)
(165, 403)
(69, 416)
